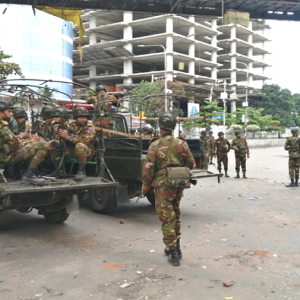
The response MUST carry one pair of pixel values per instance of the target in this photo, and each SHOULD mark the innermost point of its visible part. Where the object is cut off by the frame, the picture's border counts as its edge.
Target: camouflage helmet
(4, 104)
(237, 132)
(100, 88)
(167, 121)
(60, 112)
(220, 133)
(294, 130)
(46, 112)
(80, 112)
(145, 129)
(19, 112)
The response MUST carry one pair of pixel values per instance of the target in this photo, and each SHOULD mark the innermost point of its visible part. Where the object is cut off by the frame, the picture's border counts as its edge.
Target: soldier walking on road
(12, 149)
(167, 152)
(211, 147)
(292, 144)
(204, 150)
(240, 146)
(222, 148)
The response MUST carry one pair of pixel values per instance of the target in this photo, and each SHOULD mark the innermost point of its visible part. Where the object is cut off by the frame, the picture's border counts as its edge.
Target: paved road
(226, 236)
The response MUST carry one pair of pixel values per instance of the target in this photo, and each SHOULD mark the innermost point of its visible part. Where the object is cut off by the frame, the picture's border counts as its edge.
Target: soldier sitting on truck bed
(79, 140)
(20, 124)
(46, 126)
(12, 149)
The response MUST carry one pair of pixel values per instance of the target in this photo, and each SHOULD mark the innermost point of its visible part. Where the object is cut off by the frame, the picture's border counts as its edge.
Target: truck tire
(57, 216)
(151, 196)
(103, 200)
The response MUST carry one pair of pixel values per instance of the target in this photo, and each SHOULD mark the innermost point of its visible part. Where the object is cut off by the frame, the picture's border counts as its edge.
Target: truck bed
(200, 173)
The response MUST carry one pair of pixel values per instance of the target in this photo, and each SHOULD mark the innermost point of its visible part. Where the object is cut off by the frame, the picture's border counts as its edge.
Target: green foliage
(7, 68)
(235, 127)
(208, 112)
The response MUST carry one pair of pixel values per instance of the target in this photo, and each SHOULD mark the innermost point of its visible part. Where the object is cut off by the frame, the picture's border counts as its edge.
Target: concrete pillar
(92, 41)
(233, 107)
(250, 55)
(192, 52)
(214, 56)
(233, 74)
(127, 35)
(169, 50)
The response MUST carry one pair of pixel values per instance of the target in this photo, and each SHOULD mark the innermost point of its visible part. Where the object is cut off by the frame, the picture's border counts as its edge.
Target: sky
(285, 57)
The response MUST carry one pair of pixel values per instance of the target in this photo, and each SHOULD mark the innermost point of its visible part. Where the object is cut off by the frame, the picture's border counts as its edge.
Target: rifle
(61, 149)
(238, 153)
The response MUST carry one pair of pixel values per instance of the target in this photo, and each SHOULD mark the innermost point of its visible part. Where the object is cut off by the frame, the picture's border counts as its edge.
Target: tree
(253, 129)
(7, 68)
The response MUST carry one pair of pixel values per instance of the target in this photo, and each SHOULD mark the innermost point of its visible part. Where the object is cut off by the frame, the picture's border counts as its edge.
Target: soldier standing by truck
(79, 140)
(164, 153)
(222, 148)
(211, 147)
(204, 150)
(102, 105)
(292, 145)
(240, 146)
(12, 149)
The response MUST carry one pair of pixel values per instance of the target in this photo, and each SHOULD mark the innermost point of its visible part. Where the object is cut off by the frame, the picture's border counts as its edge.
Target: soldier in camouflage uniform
(60, 121)
(79, 141)
(204, 150)
(102, 105)
(46, 126)
(292, 144)
(146, 133)
(22, 126)
(240, 146)
(12, 149)
(211, 147)
(165, 152)
(222, 148)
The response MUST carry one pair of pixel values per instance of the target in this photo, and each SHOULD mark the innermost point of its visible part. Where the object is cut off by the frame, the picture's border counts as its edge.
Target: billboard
(193, 109)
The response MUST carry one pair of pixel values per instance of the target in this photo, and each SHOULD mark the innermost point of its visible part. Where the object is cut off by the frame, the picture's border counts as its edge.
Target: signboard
(218, 115)
(193, 109)
(236, 17)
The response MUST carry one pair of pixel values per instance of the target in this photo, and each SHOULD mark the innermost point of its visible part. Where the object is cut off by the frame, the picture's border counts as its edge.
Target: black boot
(173, 258)
(80, 173)
(168, 251)
(244, 175)
(211, 163)
(30, 177)
(226, 174)
(237, 175)
(291, 184)
(296, 182)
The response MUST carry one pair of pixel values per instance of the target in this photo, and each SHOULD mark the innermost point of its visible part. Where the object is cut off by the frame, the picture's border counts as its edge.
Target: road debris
(240, 260)
(228, 283)
(125, 285)
(122, 222)
(224, 240)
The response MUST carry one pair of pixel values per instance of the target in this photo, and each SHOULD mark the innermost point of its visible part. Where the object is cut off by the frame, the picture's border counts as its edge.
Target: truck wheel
(57, 216)
(151, 196)
(103, 200)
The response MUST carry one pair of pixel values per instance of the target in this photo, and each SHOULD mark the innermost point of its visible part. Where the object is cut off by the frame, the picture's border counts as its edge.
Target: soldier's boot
(30, 177)
(211, 163)
(80, 173)
(244, 175)
(178, 249)
(220, 170)
(237, 175)
(291, 184)
(296, 182)
(173, 258)
(226, 174)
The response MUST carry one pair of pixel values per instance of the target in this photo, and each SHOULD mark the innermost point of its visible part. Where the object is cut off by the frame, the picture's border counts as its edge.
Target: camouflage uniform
(17, 128)
(81, 145)
(47, 130)
(13, 150)
(211, 146)
(104, 108)
(204, 152)
(222, 148)
(167, 200)
(241, 157)
(292, 144)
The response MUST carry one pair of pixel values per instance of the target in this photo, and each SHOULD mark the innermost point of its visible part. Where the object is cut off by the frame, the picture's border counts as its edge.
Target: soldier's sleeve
(148, 171)
(233, 144)
(10, 138)
(86, 137)
(229, 146)
(189, 161)
(92, 100)
(287, 145)
(246, 145)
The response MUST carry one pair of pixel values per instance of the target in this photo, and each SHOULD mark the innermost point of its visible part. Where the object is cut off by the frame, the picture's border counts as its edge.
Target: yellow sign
(236, 17)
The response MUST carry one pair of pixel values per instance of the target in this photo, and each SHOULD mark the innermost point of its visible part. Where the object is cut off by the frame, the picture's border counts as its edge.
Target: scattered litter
(253, 198)
(206, 240)
(127, 251)
(155, 230)
(125, 285)
(152, 250)
(2, 281)
(139, 272)
(24, 273)
(151, 269)
(145, 297)
(182, 279)
(228, 283)
(275, 255)
(228, 298)
(220, 257)
(204, 267)
(298, 271)
(116, 237)
(75, 274)
(224, 240)
(122, 222)
(36, 296)
(261, 252)
(240, 260)
(259, 268)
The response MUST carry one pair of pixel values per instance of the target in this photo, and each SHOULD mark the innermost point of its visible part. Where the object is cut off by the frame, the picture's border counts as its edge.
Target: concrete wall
(265, 143)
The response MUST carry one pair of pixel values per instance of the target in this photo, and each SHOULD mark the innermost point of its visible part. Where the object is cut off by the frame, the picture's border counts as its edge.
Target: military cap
(237, 132)
(167, 121)
(46, 112)
(4, 104)
(220, 133)
(19, 112)
(294, 130)
(100, 88)
(80, 112)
